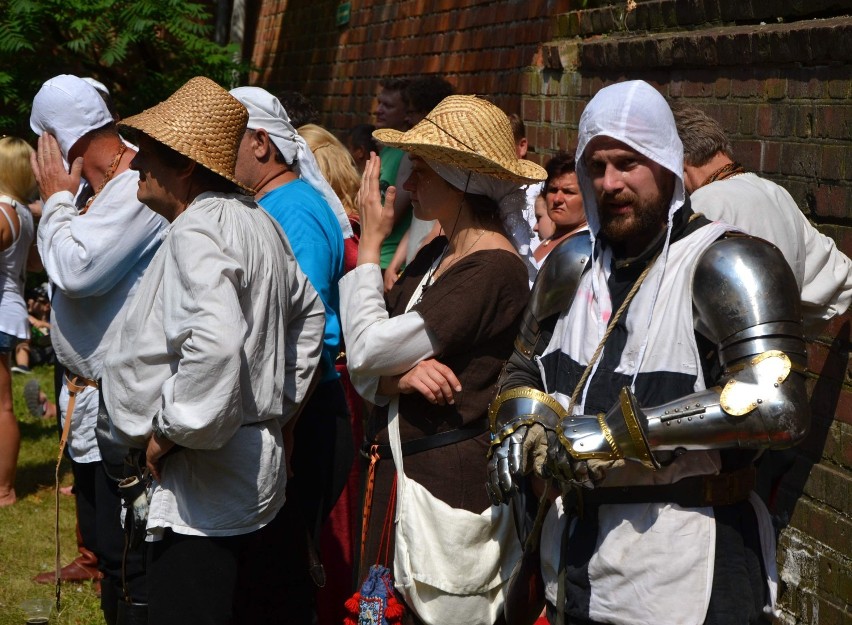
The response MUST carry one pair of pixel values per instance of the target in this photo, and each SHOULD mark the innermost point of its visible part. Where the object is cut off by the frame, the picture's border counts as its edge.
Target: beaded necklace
(725, 171)
(110, 172)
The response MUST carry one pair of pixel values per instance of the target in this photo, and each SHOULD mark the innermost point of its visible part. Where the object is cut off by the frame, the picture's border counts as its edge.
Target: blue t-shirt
(317, 241)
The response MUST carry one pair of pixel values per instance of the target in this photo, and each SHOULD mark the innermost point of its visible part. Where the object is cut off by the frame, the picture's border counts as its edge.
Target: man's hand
(529, 449)
(157, 448)
(432, 379)
(504, 465)
(49, 168)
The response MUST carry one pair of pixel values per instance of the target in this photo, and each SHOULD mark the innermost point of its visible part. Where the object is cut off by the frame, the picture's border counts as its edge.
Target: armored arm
(523, 405)
(745, 299)
(552, 294)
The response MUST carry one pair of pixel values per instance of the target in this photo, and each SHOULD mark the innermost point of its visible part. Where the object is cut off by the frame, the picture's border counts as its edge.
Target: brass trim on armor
(526, 392)
(634, 428)
(738, 398)
(608, 436)
(499, 433)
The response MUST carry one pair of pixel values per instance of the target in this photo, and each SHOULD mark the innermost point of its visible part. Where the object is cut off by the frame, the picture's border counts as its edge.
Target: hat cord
(435, 266)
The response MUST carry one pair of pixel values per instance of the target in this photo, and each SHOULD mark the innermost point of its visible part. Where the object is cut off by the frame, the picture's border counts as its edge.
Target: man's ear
(261, 144)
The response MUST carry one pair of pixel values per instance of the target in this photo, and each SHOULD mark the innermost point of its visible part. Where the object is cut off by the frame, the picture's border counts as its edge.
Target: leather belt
(699, 491)
(441, 439)
(76, 382)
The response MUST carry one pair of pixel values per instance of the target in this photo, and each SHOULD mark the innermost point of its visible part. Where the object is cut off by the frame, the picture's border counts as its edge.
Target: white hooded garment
(653, 562)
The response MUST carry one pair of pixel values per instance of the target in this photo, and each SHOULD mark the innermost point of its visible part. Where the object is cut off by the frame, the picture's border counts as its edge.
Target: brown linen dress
(474, 311)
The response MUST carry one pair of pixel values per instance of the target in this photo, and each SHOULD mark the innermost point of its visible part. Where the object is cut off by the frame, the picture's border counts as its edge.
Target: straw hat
(202, 121)
(467, 132)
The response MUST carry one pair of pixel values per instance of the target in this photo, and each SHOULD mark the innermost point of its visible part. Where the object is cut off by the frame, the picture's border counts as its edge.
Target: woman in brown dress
(438, 341)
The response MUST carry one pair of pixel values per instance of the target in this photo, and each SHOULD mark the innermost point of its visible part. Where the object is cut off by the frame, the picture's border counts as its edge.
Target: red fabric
(338, 537)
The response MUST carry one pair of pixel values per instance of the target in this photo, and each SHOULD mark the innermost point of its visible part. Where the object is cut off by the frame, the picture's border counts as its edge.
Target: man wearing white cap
(94, 254)
(277, 162)
(215, 356)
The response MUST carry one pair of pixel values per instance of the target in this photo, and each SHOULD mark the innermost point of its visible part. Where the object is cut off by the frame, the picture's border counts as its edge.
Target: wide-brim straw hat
(469, 133)
(202, 121)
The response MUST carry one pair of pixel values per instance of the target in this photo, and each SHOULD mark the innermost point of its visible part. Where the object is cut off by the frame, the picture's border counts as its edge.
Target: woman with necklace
(433, 349)
(564, 203)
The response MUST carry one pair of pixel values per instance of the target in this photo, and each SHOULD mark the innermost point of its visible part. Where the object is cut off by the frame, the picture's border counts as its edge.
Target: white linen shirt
(95, 261)
(218, 347)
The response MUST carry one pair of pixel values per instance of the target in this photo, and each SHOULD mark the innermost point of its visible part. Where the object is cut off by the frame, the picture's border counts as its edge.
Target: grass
(27, 527)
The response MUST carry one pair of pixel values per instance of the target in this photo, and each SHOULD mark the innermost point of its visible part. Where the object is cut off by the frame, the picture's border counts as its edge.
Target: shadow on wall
(782, 474)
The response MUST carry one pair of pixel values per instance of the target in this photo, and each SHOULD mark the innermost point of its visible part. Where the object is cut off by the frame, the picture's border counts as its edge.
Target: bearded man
(670, 353)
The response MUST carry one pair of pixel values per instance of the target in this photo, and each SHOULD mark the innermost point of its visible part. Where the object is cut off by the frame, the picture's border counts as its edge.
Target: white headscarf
(266, 112)
(634, 113)
(509, 197)
(68, 107)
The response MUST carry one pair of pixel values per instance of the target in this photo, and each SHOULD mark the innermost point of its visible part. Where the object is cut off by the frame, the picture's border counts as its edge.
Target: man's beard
(642, 224)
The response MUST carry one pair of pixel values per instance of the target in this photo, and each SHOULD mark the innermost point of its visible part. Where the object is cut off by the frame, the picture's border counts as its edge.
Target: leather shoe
(75, 571)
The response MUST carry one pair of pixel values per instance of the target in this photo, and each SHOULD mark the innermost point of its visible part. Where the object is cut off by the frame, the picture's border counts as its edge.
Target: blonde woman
(17, 188)
(335, 163)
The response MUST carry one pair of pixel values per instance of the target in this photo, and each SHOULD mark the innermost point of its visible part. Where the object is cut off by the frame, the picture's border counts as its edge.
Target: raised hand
(377, 219)
(49, 168)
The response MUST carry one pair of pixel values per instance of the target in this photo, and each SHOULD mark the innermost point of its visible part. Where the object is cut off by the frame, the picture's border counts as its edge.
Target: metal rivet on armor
(667, 412)
(701, 417)
(677, 409)
(697, 405)
(679, 420)
(759, 401)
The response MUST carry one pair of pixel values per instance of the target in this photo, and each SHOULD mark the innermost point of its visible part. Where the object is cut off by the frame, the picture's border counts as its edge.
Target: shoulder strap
(16, 230)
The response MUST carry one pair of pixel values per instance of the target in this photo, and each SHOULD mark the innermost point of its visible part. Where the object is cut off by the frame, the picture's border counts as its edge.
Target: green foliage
(142, 50)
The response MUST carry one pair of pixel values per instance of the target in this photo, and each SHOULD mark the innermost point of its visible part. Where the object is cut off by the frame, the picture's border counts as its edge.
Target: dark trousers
(214, 581)
(322, 457)
(98, 513)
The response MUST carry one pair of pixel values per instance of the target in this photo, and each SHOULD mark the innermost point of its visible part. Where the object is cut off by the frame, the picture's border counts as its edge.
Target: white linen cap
(266, 112)
(68, 107)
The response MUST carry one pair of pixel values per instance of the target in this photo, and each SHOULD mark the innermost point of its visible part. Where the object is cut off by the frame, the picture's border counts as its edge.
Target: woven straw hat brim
(200, 120)
(521, 171)
(470, 133)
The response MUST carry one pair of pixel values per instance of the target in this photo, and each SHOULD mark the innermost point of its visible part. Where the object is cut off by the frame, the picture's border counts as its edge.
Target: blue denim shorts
(7, 343)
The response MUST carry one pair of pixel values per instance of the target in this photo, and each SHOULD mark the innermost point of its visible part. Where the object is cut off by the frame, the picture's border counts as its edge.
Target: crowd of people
(408, 375)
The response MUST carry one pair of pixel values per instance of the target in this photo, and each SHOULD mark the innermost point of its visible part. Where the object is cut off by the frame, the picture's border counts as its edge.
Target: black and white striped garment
(636, 563)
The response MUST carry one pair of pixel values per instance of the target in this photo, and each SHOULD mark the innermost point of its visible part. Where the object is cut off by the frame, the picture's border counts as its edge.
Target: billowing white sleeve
(377, 344)
(204, 325)
(827, 289)
(87, 255)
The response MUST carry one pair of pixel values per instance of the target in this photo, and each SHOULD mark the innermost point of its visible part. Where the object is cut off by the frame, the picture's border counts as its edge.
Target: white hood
(636, 114)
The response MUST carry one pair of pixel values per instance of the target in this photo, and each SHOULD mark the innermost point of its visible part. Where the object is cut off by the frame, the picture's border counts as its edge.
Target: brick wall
(480, 46)
(775, 73)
